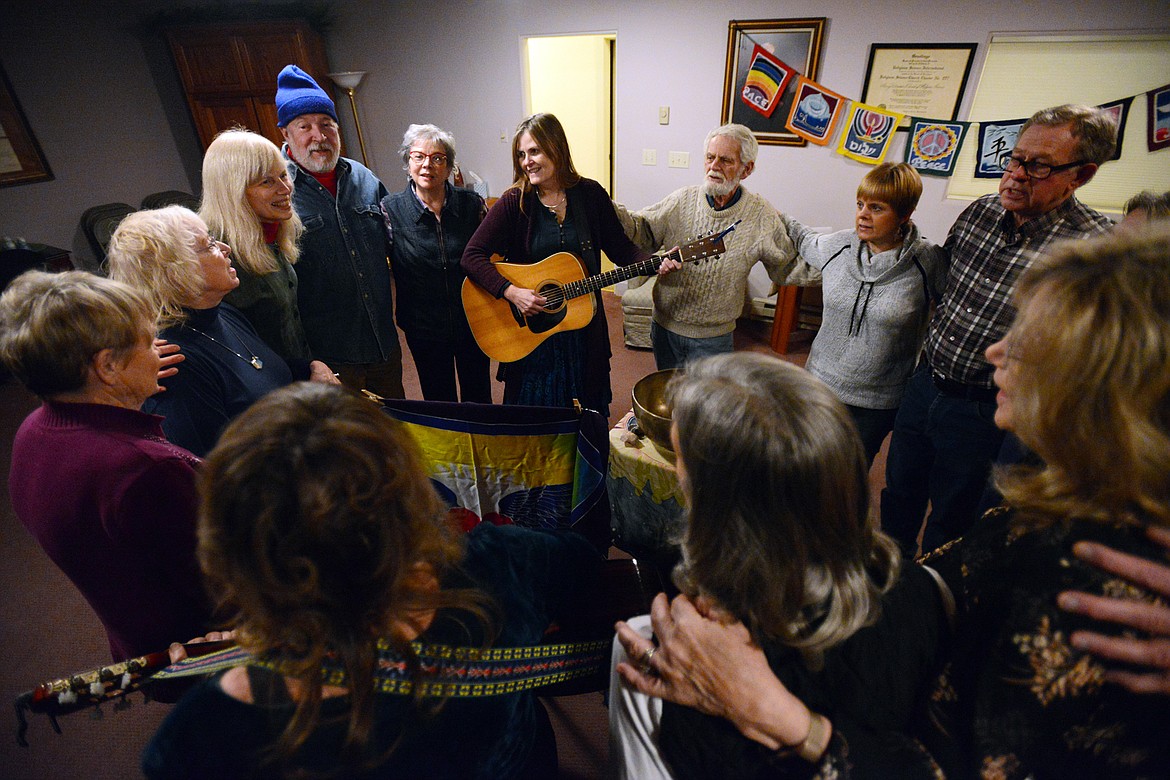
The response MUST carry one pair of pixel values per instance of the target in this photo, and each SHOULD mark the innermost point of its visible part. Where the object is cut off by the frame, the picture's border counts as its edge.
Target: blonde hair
(777, 525)
(1092, 398)
(235, 160)
(154, 252)
(897, 184)
(52, 326)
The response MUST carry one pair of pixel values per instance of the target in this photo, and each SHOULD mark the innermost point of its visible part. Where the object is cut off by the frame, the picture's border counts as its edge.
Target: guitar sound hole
(553, 295)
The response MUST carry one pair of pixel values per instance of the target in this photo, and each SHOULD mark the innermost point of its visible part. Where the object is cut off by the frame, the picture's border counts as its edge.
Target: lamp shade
(348, 79)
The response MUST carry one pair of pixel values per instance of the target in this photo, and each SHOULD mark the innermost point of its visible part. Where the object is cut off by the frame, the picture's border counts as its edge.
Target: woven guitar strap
(445, 671)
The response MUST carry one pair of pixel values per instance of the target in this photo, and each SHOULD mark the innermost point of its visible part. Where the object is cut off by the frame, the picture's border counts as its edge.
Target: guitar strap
(584, 230)
(444, 671)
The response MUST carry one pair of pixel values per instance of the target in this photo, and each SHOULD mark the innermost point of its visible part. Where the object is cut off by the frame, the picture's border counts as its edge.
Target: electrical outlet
(649, 157)
(664, 115)
(679, 160)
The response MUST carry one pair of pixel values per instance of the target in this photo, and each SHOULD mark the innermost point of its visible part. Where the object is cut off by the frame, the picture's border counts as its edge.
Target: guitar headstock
(710, 245)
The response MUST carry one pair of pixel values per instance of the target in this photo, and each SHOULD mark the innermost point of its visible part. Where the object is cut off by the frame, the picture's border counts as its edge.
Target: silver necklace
(255, 361)
(553, 208)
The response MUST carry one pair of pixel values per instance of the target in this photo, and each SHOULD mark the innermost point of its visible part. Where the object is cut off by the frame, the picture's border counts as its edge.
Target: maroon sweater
(113, 504)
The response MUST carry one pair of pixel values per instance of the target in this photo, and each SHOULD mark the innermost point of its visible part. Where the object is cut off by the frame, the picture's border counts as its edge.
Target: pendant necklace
(553, 208)
(255, 361)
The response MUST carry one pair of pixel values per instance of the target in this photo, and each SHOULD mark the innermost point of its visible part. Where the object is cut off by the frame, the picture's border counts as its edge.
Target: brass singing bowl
(651, 407)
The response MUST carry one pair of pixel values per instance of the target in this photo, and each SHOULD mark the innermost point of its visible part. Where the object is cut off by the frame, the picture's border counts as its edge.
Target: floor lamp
(349, 81)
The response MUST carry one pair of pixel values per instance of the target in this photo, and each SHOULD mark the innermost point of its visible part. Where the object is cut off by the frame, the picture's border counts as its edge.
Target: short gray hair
(1156, 206)
(1095, 129)
(426, 133)
(748, 147)
(52, 326)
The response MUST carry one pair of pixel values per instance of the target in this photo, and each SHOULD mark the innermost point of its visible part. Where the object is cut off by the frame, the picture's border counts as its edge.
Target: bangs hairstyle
(897, 184)
(432, 133)
(154, 252)
(52, 326)
(777, 527)
(1092, 341)
(549, 135)
(315, 513)
(235, 160)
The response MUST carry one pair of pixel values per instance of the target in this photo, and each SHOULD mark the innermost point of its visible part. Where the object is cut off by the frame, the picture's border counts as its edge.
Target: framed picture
(795, 43)
(21, 158)
(918, 79)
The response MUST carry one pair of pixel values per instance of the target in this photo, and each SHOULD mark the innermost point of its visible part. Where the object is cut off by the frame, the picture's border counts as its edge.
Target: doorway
(572, 76)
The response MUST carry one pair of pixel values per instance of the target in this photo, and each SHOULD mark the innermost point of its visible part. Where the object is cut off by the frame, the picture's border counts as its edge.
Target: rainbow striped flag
(765, 81)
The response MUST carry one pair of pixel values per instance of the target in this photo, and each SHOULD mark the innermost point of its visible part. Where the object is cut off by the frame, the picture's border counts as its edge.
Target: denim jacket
(426, 254)
(344, 272)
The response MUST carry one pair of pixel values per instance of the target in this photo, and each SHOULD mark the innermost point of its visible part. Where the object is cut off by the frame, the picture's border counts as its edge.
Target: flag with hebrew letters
(868, 133)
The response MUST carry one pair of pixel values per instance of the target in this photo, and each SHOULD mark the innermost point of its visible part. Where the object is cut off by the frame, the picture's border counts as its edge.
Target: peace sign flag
(933, 145)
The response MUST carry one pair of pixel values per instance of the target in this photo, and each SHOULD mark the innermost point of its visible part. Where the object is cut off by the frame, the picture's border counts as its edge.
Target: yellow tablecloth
(644, 496)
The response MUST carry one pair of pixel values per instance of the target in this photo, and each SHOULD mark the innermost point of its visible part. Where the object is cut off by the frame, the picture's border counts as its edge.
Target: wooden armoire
(229, 71)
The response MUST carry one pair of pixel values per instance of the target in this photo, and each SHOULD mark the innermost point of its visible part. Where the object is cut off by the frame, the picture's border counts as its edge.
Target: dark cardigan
(507, 231)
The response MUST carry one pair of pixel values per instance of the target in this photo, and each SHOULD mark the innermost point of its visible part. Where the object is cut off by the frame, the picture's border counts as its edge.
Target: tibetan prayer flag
(766, 80)
(868, 133)
(996, 141)
(1119, 109)
(815, 111)
(1158, 123)
(933, 145)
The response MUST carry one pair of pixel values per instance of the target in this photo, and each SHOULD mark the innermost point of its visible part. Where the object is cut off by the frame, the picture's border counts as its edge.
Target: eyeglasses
(1034, 169)
(436, 159)
(212, 245)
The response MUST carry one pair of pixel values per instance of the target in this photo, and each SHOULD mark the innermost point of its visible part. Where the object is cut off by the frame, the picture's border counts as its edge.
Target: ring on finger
(647, 656)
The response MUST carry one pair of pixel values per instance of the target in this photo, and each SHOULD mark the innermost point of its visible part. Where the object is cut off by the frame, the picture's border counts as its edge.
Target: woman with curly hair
(329, 549)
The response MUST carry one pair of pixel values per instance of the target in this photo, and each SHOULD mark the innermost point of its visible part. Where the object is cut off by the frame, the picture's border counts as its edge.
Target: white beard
(311, 163)
(720, 190)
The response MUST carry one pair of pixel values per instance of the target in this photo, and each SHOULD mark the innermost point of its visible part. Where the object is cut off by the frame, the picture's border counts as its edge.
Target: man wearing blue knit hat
(344, 273)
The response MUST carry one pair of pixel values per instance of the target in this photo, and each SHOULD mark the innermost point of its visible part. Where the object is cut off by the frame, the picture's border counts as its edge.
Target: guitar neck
(642, 268)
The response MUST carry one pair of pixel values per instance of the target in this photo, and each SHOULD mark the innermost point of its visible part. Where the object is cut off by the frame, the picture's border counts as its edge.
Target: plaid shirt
(988, 252)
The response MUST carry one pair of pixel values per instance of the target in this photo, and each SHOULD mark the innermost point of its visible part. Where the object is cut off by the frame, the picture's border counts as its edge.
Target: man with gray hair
(945, 438)
(696, 308)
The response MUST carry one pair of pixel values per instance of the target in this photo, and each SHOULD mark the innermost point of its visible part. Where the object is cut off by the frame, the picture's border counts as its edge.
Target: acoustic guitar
(506, 335)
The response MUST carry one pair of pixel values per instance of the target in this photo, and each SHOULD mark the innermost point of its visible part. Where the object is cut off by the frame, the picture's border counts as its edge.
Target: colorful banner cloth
(538, 467)
(932, 146)
(815, 111)
(766, 80)
(1158, 122)
(868, 133)
(996, 141)
(1120, 111)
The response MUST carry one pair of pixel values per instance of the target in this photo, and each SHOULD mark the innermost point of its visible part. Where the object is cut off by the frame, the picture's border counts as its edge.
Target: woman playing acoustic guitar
(551, 208)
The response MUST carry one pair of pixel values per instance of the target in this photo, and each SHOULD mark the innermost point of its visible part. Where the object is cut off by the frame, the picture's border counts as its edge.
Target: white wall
(669, 53)
(101, 97)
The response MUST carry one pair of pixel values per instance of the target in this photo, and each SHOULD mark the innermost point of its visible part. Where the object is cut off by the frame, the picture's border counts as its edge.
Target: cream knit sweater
(704, 299)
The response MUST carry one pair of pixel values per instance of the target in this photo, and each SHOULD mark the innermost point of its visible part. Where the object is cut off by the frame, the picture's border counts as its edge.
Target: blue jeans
(941, 451)
(674, 351)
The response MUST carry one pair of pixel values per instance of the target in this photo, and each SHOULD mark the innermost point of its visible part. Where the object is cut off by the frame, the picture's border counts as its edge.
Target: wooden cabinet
(229, 71)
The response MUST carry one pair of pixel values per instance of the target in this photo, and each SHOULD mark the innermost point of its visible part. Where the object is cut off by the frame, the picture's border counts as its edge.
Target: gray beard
(720, 190)
(312, 165)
